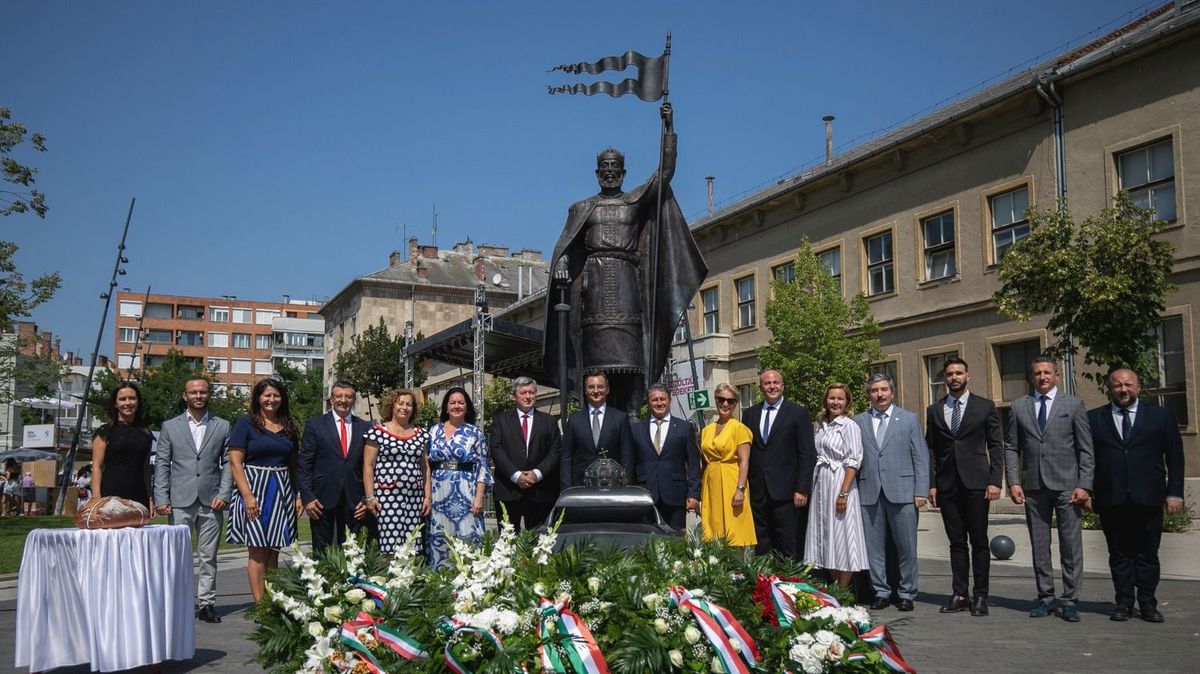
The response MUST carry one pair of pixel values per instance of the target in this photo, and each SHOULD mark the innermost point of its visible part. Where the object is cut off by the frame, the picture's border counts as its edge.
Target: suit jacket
(184, 474)
(1059, 458)
(510, 455)
(1144, 468)
(785, 463)
(672, 476)
(323, 473)
(578, 450)
(975, 454)
(899, 468)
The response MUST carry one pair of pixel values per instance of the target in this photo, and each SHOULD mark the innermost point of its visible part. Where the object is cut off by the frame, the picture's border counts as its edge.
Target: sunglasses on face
(727, 401)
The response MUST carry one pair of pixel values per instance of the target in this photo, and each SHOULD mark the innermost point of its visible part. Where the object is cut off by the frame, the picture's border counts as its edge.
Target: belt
(464, 466)
(827, 462)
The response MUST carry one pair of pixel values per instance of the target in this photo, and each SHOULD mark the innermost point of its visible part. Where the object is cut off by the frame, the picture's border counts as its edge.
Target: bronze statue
(627, 291)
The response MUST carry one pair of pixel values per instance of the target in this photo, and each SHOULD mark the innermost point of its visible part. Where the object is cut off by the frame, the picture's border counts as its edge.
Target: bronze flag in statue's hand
(650, 85)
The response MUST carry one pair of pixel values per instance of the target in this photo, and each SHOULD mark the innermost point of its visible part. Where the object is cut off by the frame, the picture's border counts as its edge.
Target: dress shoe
(904, 605)
(1069, 614)
(979, 605)
(1041, 610)
(1121, 613)
(880, 603)
(1150, 614)
(956, 604)
(208, 614)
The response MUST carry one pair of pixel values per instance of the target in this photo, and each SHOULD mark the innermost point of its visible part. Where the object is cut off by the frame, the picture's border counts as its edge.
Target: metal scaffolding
(482, 324)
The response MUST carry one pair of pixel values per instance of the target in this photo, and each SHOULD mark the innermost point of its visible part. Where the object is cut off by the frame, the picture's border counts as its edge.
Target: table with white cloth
(115, 598)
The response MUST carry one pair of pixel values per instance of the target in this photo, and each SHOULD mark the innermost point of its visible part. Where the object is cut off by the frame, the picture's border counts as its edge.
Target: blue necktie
(956, 417)
(766, 433)
(1042, 412)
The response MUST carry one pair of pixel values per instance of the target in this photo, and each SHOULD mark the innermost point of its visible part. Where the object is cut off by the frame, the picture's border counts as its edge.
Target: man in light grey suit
(193, 483)
(892, 485)
(1049, 463)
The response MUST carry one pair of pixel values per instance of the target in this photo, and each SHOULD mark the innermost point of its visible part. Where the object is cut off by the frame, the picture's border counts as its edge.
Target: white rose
(652, 601)
(368, 605)
(661, 626)
(716, 665)
(333, 613)
(825, 637)
(356, 596)
(836, 649)
(539, 589)
(735, 643)
(697, 592)
(315, 630)
(691, 634)
(593, 584)
(676, 658)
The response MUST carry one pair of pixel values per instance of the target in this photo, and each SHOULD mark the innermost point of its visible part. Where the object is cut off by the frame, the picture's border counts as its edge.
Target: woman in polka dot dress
(396, 471)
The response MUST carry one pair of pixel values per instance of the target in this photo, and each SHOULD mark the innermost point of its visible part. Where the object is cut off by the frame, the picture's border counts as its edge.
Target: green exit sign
(699, 400)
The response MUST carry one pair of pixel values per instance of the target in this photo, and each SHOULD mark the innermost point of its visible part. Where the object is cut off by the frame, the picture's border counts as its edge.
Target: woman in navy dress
(458, 459)
(262, 457)
(121, 448)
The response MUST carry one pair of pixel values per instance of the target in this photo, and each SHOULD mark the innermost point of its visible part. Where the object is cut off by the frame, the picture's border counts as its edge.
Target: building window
(1012, 362)
(132, 309)
(128, 361)
(933, 369)
(218, 314)
(218, 340)
(239, 365)
(746, 396)
(680, 332)
(938, 233)
(1009, 224)
(241, 340)
(240, 390)
(1148, 174)
(129, 335)
(243, 315)
(711, 300)
(159, 336)
(262, 342)
(265, 316)
(190, 313)
(745, 295)
(188, 338)
(217, 365)
(263, 367)
(888, 368)
(831, 260)
(1169, 387)
(880, 271)
(159, 310)
(784, 273)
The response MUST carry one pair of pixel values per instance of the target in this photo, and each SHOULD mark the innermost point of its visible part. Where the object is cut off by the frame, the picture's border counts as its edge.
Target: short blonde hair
(727, 388)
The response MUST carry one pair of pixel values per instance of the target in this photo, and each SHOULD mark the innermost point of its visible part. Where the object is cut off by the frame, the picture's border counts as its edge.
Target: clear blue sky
(281, 147)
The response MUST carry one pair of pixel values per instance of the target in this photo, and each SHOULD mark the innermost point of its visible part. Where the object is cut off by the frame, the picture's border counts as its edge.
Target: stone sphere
(1003, 547)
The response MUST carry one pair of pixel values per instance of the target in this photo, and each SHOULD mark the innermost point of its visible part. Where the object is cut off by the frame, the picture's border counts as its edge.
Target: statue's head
(610, 169)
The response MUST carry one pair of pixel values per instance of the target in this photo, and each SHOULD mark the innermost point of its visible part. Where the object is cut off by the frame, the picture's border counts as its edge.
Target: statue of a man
(618, 282)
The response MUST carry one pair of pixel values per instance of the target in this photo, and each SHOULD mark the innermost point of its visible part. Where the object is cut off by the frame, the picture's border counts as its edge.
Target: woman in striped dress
(835, 534)
(262, 457)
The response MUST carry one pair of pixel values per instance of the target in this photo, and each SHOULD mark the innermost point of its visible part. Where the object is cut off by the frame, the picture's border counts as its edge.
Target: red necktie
(345, 445)
(525, 427)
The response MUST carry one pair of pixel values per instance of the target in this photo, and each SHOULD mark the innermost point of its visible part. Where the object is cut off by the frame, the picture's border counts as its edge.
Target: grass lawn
(13, 531)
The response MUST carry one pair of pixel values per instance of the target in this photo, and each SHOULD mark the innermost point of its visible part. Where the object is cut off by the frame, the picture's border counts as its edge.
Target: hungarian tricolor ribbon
(401, 643)
(582, 653)
(784, 605)
(373, 590)
(881, 638)
(720, 628)
(451, 628)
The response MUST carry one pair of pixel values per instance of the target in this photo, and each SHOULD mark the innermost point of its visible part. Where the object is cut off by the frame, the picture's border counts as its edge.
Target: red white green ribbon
(582, 652)
(402, 644)
(452, 628)
(719, 626)
(881, 638)
(785, 606)
(373, 590)
(351, 637)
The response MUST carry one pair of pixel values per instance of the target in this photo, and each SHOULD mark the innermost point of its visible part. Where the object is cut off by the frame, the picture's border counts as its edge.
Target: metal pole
(408, 368)
(564, 312)
(482, 323)
(687, 335)
(69, 463)
(662, 153)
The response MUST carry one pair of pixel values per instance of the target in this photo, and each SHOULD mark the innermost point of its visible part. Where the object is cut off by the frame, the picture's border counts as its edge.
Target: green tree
(306, 391)
(497, 399)
(18, 298)
(162, 391)
(817, 336)
(429, 413)
(36, 375)
(373, 363)
(1103, 283)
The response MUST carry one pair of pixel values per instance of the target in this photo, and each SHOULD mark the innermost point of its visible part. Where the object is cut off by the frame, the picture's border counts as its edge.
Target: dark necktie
(596, 428)
(766, 433)
(1045, 402)
(525, 429)
(1126, 424)
(956, 417)
(881, 430)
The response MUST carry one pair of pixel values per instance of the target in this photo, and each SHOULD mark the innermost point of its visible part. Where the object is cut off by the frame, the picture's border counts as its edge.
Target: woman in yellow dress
(725, 444)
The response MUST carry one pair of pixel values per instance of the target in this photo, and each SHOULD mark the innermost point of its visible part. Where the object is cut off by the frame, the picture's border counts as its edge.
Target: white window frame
(264, 367)
(129, 309)
(711, 310)
(129, 335)
(221, 365)
(233, 341)
(1007, 221)
(884, 264)
(1153, 188)
(218, 340)
(218, 314)
(746, 306)
(242, 315)
(241, 366)
(940, 249)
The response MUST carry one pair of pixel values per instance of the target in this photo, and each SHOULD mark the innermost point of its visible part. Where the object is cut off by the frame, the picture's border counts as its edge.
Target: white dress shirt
(762, 419)
(536, 473)
(1116, 414)
(198, 428)
(877, 418)
(948, 407)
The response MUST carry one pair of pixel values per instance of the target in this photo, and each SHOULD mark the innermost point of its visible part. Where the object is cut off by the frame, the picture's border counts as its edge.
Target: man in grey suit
(1049, 463)
(193, 483)
(892, 485)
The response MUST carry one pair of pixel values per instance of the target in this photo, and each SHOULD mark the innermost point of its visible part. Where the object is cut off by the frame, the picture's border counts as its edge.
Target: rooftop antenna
(435, 214)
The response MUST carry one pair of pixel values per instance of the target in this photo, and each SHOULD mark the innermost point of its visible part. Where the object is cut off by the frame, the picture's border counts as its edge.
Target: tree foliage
(306, 391)
(1103, 283)
(373, 362)
(817, 336)
(34, 374)
(12, 135)
(497, 399)
(162, 391)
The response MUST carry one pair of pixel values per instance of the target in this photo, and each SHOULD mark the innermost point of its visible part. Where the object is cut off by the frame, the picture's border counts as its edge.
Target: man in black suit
(524, 446)
(330, 471)
(782, 458)
(1136, 443)
(597, 426)
(966, 459)
(666, 460)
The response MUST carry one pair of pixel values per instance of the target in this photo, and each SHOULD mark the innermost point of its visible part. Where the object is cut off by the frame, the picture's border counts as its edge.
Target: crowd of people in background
(837, 491)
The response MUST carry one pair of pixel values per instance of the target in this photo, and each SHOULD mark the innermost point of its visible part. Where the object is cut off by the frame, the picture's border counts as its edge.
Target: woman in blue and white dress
(458, 461)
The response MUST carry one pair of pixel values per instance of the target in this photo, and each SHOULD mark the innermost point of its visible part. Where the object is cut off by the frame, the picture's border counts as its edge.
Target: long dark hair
(284, 413)
(139, 415)
(470, 415)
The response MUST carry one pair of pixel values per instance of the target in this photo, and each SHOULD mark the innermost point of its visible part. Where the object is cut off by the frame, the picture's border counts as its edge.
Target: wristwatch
(843, 494)
(741, 487)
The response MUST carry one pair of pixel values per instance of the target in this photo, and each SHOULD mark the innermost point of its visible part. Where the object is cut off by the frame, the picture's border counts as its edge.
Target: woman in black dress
(121, 448)
(396, 471)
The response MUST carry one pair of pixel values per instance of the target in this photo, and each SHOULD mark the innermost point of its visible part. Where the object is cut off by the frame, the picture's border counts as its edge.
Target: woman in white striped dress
(262, 457)
(835, 534)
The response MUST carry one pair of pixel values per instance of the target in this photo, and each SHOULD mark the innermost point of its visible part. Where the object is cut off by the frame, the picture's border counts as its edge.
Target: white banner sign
(38, 435)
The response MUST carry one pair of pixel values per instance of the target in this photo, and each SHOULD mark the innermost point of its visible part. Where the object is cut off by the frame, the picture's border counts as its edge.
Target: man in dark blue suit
(666, 460)
(1136, 443)
(330, 471)
(597, 426)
